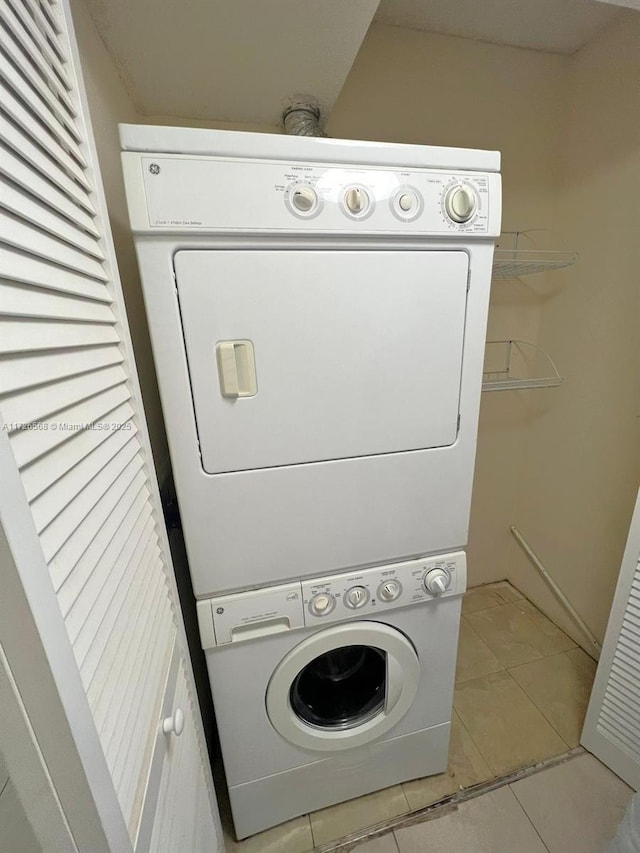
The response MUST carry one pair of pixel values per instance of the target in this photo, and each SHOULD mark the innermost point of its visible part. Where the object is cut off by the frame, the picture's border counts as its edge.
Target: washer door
(344, 686)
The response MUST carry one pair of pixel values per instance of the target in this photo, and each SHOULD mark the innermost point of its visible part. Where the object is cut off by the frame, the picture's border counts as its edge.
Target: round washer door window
(344, 686)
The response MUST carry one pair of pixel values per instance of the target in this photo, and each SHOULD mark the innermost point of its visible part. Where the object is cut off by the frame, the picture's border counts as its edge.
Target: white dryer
(317, 311)
(333, 687)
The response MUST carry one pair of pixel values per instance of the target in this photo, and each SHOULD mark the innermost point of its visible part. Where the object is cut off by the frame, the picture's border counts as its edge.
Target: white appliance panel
(181, 193)
(356, 353)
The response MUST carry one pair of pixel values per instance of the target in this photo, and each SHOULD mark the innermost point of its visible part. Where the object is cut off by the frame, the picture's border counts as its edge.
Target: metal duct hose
(302, 118)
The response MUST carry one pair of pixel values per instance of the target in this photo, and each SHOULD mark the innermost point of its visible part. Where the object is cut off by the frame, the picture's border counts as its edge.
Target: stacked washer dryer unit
(317, 312)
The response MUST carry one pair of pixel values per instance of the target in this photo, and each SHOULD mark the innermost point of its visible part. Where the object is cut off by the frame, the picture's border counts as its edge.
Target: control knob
(304, 198)
(321, 604)
(437, 581)
(356, 597)
(356, 200)
(389, 590)
(460, 203)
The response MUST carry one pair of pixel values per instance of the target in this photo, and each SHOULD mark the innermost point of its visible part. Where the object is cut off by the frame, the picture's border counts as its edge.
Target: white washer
(317, 311)
(330, 688)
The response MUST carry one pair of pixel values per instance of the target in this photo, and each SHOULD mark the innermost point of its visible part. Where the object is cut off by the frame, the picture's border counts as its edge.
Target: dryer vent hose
(302, 118)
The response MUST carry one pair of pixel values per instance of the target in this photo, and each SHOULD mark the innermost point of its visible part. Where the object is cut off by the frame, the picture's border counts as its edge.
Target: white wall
(582, 466)
(410, 86)
(110, 104)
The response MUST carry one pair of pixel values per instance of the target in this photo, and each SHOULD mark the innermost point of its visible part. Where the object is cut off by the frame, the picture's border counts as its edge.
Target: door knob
(174, 724)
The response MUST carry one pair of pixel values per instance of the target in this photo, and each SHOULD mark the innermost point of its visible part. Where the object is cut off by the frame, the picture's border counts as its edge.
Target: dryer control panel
(171, 192)
(334, 598)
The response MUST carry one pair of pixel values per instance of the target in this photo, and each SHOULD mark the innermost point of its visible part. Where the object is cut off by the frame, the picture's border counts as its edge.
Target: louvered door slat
(111, 532)
(30, 140)
(20, 300)
(26, 207)
(87, 535)
(132, 728)
(16, 232)
(71, 411)
(626, 654)
(24, 59)
(31, 270)
(30, 48)
(31, 336)
(26, 370)
(109, 680)
(90, 608)
(96, 644)
(14, 82)
(50, 23)
(40, 43)
(612, 726)
(618, 699)
(48, 469)
(48, 29)
(59, 531)
(114, 726)
(49, 505)
(626, 678)
(29, 444)
(130, 777)
(36, 404)
(619, 722)
(19, 73)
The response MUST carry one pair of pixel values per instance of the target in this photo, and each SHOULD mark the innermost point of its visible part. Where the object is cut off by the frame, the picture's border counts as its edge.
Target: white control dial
(304, 198)
(437, 581)
(407, 202)
(321, 604)
(460, 203)
(389, 590)
(357, 201)
(356, 597)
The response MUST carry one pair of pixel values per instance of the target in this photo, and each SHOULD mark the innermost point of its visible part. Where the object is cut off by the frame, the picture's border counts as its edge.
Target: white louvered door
(612, 726)
(72, 413)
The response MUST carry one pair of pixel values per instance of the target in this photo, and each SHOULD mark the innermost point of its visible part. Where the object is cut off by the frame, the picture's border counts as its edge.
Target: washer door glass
(341, 688)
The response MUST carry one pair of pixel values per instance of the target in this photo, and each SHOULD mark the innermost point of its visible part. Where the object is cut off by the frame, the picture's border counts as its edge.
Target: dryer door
(344, 686)
(306, 356)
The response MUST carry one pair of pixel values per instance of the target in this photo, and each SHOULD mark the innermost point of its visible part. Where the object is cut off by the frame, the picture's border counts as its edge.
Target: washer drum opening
(343, 687)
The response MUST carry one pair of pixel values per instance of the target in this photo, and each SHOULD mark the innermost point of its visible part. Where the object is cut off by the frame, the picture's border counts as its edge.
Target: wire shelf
(518, 366)
(514, 262)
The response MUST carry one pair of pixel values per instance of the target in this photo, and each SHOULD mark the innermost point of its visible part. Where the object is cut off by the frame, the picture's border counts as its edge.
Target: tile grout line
(446, 805)
(539, 710)
(526, 814)
(535, 704)
(486, 760)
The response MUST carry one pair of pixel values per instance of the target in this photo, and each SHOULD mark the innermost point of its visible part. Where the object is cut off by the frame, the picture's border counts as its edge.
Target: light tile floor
(573, 807)
(522, 687)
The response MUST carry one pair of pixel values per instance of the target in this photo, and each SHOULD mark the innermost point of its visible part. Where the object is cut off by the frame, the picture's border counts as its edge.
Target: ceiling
(231, 60)
(242, 60)
(555, 26)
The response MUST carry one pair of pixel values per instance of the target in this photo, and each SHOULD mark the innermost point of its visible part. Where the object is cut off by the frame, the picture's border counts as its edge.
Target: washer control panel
(373, 590)
(261, 612)
(210, 193)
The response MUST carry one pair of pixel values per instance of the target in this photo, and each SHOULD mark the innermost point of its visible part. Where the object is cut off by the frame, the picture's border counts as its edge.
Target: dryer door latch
(236, 368)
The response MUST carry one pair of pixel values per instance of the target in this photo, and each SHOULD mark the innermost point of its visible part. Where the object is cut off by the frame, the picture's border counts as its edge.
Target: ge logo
(219, 610)
(154, 169)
